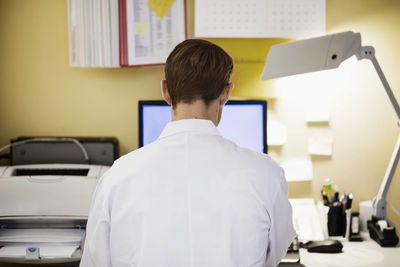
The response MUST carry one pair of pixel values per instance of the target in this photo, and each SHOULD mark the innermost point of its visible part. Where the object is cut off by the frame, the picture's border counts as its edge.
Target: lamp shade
(321, 53)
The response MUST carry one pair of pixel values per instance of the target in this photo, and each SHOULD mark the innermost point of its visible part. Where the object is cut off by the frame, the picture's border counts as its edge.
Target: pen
(336, 197)
(324, 197)
(345, 200)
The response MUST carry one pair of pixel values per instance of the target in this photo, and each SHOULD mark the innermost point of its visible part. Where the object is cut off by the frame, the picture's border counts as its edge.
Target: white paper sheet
(317, 111)
(12, 252)
(298, 169)
(57, 251)
(320, 142)
(154, 45)
(306, 219)
(276, 133)
(259, 18)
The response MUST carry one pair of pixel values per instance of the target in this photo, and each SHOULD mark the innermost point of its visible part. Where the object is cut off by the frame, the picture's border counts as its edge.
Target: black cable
(5, 156)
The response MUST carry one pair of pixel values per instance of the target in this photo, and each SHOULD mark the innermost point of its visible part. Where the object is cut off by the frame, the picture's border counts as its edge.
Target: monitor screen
(243, 122)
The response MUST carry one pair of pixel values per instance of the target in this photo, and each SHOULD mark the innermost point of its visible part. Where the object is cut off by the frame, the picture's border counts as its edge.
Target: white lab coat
(192, 198)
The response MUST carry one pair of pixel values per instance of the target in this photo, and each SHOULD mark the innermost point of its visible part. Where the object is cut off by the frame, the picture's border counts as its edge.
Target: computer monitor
(243, 122)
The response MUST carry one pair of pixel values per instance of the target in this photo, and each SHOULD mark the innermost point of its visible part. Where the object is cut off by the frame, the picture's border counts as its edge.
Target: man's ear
(164, 92)
(226, 93)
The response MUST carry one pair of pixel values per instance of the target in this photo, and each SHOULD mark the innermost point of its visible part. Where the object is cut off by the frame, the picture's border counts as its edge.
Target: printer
(44, 209)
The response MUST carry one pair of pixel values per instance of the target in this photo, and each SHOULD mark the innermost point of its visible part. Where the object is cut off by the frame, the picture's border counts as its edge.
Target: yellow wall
(41, 95)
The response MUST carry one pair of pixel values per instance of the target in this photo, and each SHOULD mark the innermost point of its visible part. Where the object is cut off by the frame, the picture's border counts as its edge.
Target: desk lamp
(328, 52)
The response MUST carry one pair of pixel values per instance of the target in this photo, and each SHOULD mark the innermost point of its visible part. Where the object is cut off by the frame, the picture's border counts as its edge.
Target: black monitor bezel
(264, 104)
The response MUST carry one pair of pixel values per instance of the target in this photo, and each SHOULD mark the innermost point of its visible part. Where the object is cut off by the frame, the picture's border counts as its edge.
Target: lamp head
(321, 53)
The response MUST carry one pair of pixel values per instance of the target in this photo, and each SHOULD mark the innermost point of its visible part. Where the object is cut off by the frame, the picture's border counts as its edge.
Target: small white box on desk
(366, 210)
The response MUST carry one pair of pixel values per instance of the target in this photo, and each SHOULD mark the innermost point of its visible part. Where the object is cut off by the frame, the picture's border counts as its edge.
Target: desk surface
(365, 253)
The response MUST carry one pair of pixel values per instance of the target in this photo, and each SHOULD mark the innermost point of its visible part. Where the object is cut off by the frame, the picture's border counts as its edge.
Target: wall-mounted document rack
(114, 33)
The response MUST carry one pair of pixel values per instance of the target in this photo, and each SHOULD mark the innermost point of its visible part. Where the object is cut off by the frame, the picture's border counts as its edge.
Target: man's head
(197, 70)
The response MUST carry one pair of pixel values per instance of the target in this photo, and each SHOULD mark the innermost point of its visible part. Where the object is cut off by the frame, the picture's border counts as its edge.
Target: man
(191, 198)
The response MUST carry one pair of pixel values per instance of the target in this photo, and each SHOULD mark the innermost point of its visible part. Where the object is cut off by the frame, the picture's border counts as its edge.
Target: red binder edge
(123, 55)
(185, 19)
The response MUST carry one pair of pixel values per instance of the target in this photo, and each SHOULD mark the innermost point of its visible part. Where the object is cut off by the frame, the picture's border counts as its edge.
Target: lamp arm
(389, 92)
(379, 203)
(368, 52)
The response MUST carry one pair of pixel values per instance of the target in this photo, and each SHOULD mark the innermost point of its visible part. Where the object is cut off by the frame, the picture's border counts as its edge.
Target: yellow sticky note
(160, 7)
(141, 28)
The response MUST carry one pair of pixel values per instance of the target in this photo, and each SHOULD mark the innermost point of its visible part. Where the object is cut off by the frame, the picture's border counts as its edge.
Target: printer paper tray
(75, 257)
(55, 254)
(55, 245)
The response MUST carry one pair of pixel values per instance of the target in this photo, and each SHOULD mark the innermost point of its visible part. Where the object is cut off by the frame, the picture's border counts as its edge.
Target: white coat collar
(189, 125)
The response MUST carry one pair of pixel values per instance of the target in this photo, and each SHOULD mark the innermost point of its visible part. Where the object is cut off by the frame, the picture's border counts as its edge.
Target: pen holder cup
(336, 221)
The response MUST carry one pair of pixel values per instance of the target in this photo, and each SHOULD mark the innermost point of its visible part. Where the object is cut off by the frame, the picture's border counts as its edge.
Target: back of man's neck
(196, 110)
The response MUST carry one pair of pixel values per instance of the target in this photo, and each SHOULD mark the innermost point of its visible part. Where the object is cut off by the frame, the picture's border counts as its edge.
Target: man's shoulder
(239, 159)
(135, 155)
(251, 157)
(127, 164)
(130, 156)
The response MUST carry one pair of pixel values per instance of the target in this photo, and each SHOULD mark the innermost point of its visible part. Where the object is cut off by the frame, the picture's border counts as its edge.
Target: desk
(366, 253)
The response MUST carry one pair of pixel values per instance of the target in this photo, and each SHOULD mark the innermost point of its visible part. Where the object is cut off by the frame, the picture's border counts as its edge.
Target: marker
(349, 202)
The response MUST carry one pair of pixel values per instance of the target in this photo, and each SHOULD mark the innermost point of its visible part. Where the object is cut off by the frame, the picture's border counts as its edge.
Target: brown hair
(197, 69)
